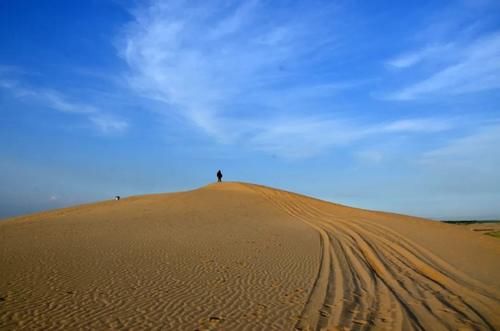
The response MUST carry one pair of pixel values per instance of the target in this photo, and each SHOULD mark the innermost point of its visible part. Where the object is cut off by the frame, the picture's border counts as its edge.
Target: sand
(235, 256)
(487, 228)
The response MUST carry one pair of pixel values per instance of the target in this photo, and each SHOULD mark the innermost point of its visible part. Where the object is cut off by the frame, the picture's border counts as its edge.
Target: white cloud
(105, 123)
(308, 136)
(62, 103)
(475, 150)
(211, 63)
(477, 69)
(206, 64)
(233, 23)
(7, 83)
(410, 59)
(108, 124)
(465, 167)
(304, 137)
(419, 125)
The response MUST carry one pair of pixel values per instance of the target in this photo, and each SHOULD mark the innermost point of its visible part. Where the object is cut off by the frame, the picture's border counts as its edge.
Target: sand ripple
(371, 277)
(237, 256)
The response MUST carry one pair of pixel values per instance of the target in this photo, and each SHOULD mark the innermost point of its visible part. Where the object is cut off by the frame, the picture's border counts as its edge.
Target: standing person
(219, 176)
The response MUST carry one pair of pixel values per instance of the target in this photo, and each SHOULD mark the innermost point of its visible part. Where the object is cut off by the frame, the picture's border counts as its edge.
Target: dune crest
(234, 256)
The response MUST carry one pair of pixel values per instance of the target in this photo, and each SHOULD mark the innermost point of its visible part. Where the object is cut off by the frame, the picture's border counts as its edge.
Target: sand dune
(237, 256)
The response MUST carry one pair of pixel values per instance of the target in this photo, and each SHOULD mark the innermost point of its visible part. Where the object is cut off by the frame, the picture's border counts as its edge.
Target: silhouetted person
(219, 176)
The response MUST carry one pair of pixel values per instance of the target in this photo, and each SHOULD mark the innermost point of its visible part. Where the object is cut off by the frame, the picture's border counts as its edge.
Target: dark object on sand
(117, 197)
(219, 176)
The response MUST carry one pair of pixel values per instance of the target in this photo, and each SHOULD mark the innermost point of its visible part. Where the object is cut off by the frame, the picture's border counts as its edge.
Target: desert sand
(235, 256)
(489, 228)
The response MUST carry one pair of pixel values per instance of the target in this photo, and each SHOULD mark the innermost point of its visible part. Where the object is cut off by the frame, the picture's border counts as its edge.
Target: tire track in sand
(373, 278)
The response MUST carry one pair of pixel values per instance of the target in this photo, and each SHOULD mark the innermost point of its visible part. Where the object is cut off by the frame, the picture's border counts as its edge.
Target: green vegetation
(495, 234)
(490, 231)
(467, 222)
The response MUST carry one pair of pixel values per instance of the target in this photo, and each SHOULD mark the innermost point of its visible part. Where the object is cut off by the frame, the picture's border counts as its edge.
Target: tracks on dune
(371, 277)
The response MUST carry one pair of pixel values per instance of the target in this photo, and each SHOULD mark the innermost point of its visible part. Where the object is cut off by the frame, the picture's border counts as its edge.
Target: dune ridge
(237, 256)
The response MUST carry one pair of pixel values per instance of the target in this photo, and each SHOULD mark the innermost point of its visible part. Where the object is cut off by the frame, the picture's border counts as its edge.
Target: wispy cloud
(307, 136)
(418, 125)
(473, 150)
(237, 73)
(104, 122)
(466, 165)
(203, 63)
(417, 56)
(475, 67)
(108, 124)
(62, 103)
(219, 60)
(232, 23)
(304, 136)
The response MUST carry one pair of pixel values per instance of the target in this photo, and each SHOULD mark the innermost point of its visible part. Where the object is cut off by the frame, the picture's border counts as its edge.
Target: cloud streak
(475, 68)
(466, 168)
(410, 59)
(61, 102)
(473, 151)
(237, 73)
(104, 122)
(109, 124)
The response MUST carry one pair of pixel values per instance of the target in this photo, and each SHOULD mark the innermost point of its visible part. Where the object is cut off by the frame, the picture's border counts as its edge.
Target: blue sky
(390, 105)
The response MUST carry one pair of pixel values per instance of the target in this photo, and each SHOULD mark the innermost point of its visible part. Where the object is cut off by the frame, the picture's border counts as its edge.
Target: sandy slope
(243, 257)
